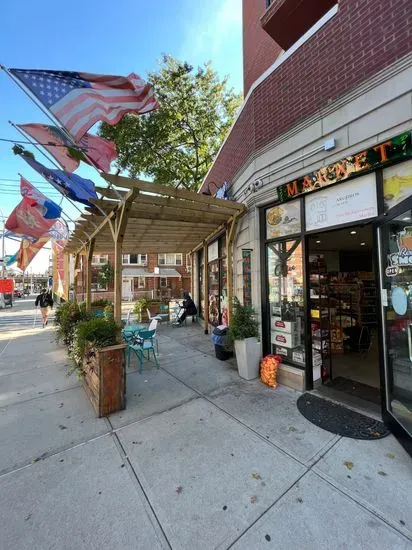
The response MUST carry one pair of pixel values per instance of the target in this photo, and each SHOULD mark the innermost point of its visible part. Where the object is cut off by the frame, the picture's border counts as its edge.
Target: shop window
(397, 183)
(170, 259)
(100, 259)
(283, 220)
(286, 301)
(163, 282)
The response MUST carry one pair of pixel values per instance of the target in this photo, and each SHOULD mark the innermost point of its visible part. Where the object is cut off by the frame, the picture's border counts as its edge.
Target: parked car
(17, 293)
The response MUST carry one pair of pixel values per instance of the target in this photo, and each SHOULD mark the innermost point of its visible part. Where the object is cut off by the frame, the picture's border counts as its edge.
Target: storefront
(337, 277)
(217, 281)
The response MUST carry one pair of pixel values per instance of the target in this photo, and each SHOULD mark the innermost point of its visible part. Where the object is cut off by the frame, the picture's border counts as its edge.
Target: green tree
(176, 144)
(105, 275)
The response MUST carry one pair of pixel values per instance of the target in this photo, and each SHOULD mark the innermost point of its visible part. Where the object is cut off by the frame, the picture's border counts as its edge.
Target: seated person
(188, 308)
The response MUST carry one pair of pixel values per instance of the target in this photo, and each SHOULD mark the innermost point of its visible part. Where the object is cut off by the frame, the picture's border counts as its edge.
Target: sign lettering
(394, 150)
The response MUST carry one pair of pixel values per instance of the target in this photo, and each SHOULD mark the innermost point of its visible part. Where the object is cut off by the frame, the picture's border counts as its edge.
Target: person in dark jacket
(45, 301)
(188, 308)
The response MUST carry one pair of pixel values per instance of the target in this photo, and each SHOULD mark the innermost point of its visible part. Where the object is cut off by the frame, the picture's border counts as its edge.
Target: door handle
(410, 341)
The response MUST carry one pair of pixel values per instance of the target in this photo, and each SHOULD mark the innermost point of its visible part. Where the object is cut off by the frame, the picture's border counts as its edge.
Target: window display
(283, 220)
(285, 285)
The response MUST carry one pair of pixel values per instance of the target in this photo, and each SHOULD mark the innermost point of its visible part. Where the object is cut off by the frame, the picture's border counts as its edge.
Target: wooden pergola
(136, 216)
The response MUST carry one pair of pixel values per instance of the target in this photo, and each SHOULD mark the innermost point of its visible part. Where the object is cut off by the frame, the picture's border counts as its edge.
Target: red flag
(101, 151)
(29, 250)
(28, 218)
(79, 100)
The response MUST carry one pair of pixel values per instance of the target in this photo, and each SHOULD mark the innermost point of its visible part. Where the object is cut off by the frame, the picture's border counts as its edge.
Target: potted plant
(97, 306)
(244, 332)
(100, 363)
(140, 308)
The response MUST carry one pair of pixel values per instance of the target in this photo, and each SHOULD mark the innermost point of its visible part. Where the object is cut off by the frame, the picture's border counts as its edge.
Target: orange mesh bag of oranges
(269, 370)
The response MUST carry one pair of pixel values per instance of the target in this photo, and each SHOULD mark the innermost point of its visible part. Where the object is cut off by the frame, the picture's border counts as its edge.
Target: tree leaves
(176, 144)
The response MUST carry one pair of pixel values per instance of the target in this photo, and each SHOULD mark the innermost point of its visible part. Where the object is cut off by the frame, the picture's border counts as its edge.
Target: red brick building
(321, 153)
(143, 276)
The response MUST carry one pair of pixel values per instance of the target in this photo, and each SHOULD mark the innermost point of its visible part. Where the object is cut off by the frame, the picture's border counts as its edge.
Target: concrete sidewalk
(200, 459)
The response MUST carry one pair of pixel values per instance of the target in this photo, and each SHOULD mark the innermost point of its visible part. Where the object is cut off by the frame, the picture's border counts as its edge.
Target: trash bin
(220, 339)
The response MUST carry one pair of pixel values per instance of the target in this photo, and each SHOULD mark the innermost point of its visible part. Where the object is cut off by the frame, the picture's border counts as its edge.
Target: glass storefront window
(286, 301)
(397, 302)
(214, 292)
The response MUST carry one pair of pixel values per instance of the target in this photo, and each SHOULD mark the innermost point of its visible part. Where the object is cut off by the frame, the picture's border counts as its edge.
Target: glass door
(395, 250)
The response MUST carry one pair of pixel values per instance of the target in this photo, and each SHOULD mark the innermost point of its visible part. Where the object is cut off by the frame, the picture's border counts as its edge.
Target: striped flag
(101, 151)
(79, 100)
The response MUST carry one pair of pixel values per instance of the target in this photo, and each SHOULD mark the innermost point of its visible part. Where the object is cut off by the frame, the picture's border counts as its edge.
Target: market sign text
(393, 150)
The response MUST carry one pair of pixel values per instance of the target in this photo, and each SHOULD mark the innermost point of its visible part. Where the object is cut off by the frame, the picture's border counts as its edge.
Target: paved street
(22, 315)
(200, 459)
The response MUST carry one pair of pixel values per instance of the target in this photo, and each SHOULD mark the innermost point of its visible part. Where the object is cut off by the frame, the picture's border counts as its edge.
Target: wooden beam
(122, 217)
(130, 183)
(89, 257)
(110, 193)
(173, 214)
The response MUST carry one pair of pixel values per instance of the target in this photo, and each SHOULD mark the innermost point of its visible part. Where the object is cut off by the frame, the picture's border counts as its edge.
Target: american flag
(79, 100)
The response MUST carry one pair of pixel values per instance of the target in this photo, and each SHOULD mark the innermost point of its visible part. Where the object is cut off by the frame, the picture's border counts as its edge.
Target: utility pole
(3, 248)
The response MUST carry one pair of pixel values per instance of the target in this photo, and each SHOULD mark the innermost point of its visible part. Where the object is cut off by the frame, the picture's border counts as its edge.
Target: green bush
(101, 302)
(91, 335)
(243, 323)
(67, 316)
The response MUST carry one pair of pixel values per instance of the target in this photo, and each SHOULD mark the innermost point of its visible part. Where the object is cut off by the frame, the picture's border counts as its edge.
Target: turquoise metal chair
(141, 343)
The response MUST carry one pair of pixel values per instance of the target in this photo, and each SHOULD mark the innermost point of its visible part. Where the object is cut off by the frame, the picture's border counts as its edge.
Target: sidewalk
(200, 459)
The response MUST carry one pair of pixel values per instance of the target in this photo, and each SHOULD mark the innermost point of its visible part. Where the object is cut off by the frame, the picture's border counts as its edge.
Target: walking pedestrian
(45, 301)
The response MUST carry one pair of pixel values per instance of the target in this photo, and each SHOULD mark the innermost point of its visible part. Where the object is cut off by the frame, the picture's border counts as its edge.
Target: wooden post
(206, 288)
(118, 243)
(122, 217)
(76, 273)
(89, 257)
(230, 233)
(192, 275)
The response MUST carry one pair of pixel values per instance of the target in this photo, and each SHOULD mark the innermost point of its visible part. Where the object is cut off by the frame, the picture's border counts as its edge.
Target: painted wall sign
(393, 150)
(402, 258)
(351, 201)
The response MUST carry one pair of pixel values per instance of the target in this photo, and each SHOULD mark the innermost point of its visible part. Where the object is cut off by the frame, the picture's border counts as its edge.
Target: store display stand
(320, 319)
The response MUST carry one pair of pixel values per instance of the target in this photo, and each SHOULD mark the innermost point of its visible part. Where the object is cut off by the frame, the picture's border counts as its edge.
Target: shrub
(67, 316)
(140, 306)
(96, 333)
(243, 323)
(101, 302)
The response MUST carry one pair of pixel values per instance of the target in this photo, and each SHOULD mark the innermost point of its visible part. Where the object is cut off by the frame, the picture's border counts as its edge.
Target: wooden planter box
(104, 379)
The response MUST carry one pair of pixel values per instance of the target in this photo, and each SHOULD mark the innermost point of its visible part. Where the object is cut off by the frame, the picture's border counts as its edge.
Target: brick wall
(361, 39)
(177, 285)
(259, 50)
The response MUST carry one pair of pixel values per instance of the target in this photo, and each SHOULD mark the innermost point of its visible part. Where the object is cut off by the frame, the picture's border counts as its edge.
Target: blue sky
(103, 37)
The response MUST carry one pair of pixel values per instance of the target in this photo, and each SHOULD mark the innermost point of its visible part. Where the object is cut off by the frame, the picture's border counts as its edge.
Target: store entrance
(343, 312)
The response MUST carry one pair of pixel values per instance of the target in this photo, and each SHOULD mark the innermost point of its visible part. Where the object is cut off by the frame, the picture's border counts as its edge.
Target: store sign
(6, 286)
(213, 251)
(349, 202)
(384, 154)
(402, 258)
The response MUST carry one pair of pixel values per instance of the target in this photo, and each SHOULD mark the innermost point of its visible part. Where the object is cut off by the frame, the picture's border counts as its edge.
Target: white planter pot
(248, 354)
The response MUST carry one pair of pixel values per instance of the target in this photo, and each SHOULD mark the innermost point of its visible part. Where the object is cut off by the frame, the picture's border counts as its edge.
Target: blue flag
(70, 185)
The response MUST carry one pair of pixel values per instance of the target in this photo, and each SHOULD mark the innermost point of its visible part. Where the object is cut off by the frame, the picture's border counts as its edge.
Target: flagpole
(56, 122)
(53, 161)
